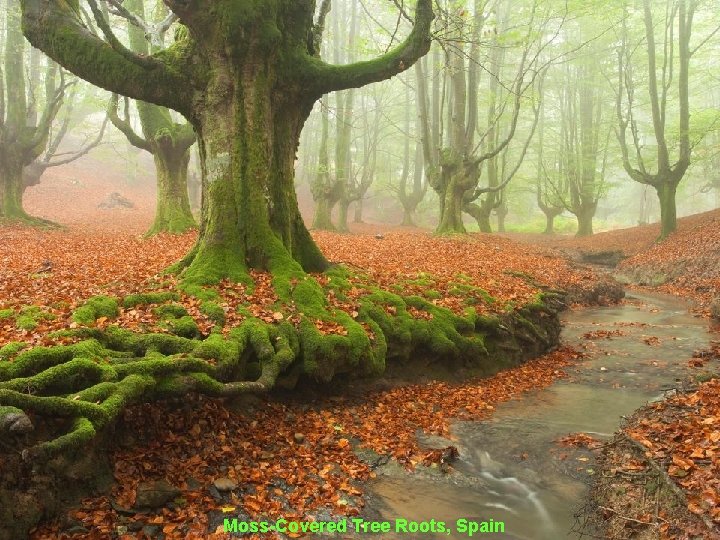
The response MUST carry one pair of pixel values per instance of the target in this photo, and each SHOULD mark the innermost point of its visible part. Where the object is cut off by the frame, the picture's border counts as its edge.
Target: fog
(532, 113)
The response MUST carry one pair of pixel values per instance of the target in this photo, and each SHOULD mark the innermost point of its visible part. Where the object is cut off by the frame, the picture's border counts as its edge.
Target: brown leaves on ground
(88, 262)
(682, 434)
(193, 444)
(687, 260)
(492, 263)
(580, 440)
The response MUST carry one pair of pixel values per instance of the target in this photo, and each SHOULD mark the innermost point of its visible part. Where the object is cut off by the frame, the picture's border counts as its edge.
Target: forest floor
(260, 447)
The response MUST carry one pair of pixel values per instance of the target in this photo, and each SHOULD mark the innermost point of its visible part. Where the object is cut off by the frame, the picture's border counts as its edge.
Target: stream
(510, 468)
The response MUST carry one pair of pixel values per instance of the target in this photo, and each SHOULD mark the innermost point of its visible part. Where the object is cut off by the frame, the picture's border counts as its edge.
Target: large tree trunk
(322, 219)
(483, 218)
(249, 132)
(173, 212)
(342, 220)
(12, 188)
(550, 215)
(585, 216)
(452, 204)
(358, 217)
(325, 190)
(502, 212)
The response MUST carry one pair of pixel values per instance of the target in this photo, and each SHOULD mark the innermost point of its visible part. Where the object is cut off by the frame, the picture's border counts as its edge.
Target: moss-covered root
(90, 383)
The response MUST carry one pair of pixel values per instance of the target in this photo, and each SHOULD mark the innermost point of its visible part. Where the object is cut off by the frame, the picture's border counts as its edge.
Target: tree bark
(172, 214)
(12, 188)
(549, 223)
(668, 209)
(247, 88)
(585, 216)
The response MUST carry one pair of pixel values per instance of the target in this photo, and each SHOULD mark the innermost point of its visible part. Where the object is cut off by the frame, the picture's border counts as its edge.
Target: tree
(545, 190)
(24, 129)
(578, 182)
(411, 197)
(456, 172)
(52, 157)
(660, 78)
(168, 141)
(325, 189)
(246, 76)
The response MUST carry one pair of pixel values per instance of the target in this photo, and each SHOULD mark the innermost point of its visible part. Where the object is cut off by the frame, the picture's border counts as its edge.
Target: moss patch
(94, 308)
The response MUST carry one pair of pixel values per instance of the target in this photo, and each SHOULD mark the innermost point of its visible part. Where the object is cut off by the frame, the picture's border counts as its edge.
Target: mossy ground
(276, 329)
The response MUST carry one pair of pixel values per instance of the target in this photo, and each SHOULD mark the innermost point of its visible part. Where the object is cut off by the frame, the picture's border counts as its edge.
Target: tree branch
(323, 78)
(83, 151)
(54, 27)
(123, 124)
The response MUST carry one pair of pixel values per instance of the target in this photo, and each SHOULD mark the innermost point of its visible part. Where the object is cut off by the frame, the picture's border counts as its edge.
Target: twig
(618, 514)
(677, 491)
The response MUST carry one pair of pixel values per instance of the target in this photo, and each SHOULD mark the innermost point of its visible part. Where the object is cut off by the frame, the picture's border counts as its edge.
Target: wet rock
(245, 403)
(115, 200)
(152, 531)
(215, 494)
(135, 526)
(193, 484)
(224, 484)
(15, 422)
(155, 494)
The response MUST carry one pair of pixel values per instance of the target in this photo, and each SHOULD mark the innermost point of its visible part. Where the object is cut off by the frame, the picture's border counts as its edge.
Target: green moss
(28, 317)
(183, 326)
(133, 300)
(213, 311)
(170, 311)
(468, 291)
(432, 294)
(9, 350)
(94, 308)
(26, 322)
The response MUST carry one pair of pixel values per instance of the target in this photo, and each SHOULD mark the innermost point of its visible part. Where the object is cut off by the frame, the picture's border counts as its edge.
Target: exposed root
(91, 382)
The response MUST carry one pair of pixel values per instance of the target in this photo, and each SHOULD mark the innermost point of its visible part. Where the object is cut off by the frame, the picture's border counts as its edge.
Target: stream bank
(510, 467)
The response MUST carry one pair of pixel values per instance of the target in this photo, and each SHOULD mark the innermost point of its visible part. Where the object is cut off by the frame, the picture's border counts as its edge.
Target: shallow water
(510, 467)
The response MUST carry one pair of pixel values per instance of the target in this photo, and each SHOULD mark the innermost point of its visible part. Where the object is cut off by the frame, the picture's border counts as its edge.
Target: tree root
(90, 383)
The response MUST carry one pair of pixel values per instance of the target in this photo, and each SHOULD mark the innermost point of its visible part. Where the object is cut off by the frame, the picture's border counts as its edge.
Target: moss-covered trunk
(322, 219)
(668, 209)
(358, 217)
(249, 131)
(452, 208)
(173, 212)
(11, 188)
(550, 223)
(585, 216)
(342, 221)
(483, 218)
(408, 220)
